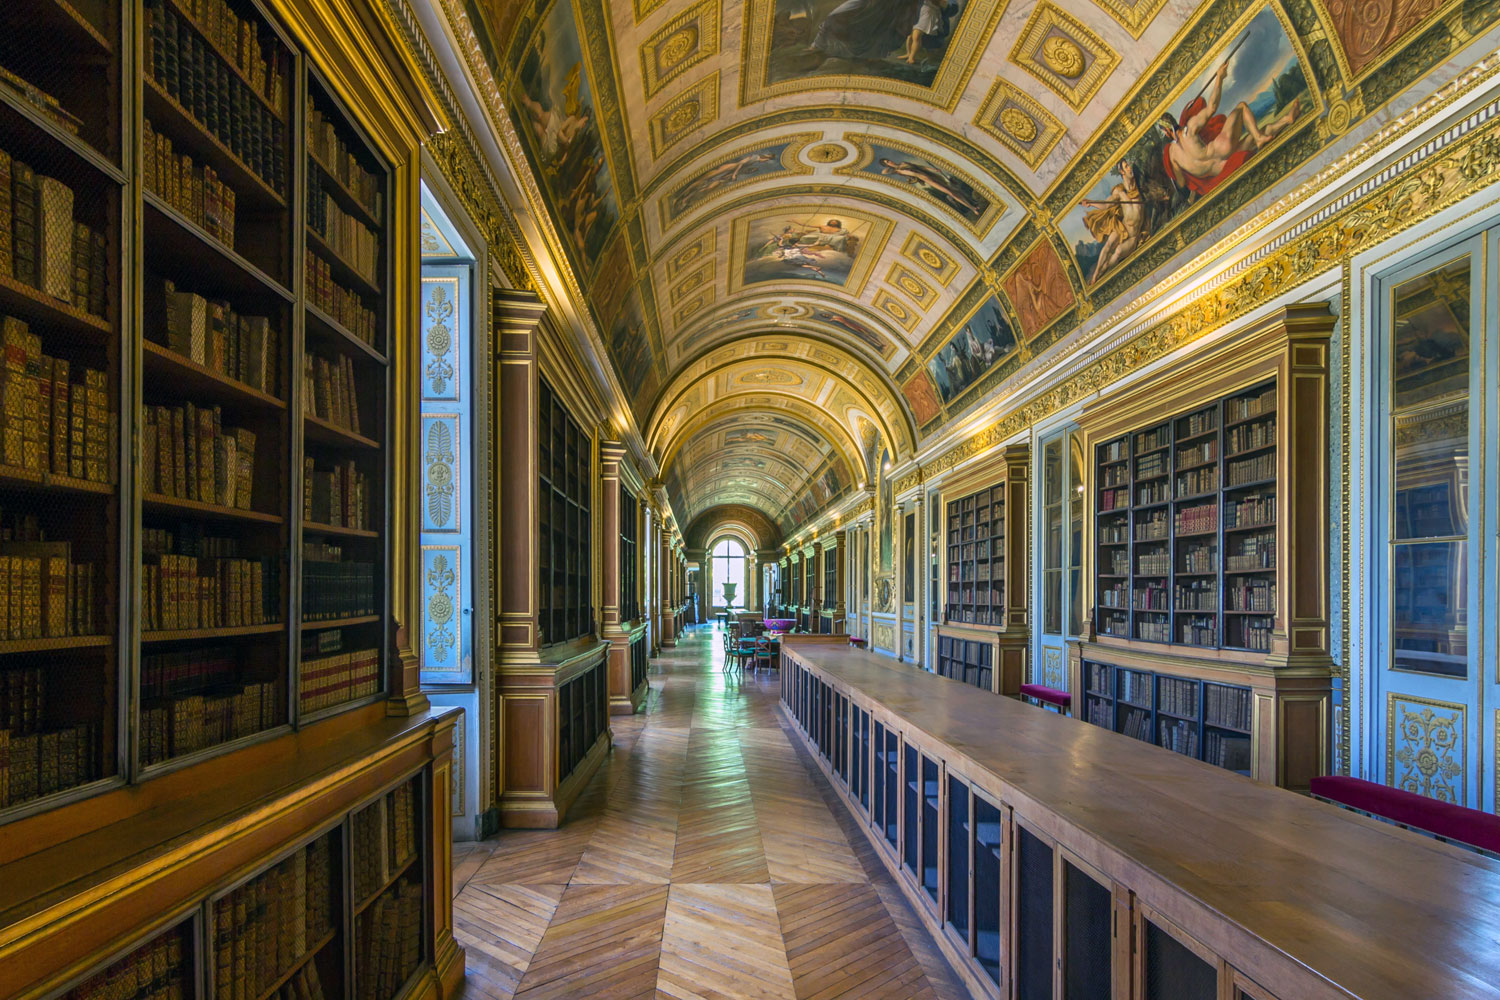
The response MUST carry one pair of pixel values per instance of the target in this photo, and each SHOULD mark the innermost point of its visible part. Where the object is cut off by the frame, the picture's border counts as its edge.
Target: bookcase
(565, 464)
(229, 356)
(630, 566)
(976, 557)
(1208, 631)
(967, 660)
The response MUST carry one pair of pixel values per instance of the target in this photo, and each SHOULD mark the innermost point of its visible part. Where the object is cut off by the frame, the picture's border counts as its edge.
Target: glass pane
(1075, 536)
(1052, 472)
(1430, 344)
(1429, 614)
(1052, 602)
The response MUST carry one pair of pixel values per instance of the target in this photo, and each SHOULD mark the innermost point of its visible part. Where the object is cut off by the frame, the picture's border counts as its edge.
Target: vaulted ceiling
(814, 231)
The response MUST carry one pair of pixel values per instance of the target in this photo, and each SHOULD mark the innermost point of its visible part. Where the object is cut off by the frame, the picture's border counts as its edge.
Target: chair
(762, 653)
(744, 650)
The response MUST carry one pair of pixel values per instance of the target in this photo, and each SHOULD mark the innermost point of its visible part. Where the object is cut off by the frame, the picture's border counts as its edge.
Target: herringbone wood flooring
(708, 859)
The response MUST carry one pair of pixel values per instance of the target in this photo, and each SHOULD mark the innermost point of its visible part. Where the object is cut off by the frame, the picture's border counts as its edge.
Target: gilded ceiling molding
(1133, 17)
(1020, 124)
(679, 45)
(1057, 49)
(1469, 164)
(684, 114)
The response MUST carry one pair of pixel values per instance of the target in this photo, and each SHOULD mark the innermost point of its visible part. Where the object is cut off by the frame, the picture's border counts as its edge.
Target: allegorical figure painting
(749, 165)
(554, 108)
(801, 247)
(938, 182)
(984, 341)
(855, 327)
(1215, 125)
(630, 347)
(896, 39)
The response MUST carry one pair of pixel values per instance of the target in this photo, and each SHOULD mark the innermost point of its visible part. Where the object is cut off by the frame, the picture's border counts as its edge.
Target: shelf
(209, 511)
(298, 965)
(35, 306)
(1151, 506)
(213, 46)
(343, 195)
(1249, 420)
(1174, 715)
(343, 270)
(1238, 528)
(1186, 573)
(322, 623)
(392, 880)
(56, 137)
(202, 380)
(14, 477)
(317, 528)
(226, 632)
(1151, 451)
(59, 21)
(1249, 572)
(1226, 728)
(192, 136)
(1200, 465)
(1250, 451)
(10, 647)
(338, 332)
(176, 244)
(323, 432)
(1186, 439)
(1251, 614)
(1192, 497)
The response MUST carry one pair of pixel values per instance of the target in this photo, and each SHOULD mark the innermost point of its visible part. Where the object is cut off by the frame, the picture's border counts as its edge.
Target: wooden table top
(1268, 878)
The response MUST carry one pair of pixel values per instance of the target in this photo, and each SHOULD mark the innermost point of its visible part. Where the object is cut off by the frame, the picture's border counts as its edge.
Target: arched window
(728, 566)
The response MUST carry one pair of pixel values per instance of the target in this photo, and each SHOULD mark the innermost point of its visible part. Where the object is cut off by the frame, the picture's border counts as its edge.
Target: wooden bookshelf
(565, 464)
(1208, 530)
(976, 558)
(630, 558)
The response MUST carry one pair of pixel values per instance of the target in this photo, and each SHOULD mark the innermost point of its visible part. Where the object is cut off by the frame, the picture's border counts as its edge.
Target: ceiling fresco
(912, 198)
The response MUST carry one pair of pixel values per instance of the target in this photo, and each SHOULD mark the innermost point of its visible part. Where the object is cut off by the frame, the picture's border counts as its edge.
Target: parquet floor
(708, 859)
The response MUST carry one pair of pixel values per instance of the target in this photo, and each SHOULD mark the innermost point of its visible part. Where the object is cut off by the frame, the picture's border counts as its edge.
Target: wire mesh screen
(1175, 973)
(1033, 918)
(988, 847)
(1087, 968)
(958, 857)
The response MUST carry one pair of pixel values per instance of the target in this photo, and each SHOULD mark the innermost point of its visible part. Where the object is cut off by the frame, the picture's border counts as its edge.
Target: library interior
(768, 499)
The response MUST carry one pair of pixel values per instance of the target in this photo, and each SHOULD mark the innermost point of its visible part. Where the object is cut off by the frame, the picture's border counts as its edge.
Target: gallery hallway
(708, 858)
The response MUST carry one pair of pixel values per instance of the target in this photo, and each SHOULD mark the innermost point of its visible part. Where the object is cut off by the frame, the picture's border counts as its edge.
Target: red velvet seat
(1452, 822)
(1044, 695)
(856, 642)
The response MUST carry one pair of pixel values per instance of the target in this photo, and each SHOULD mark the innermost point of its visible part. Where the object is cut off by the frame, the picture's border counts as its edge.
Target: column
(919, 574)
(668, 612)
(840, 556)
(622, 699)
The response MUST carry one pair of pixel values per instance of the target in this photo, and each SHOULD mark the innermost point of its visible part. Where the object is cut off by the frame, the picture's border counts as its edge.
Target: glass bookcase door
(1433, 391)
(1059, 556)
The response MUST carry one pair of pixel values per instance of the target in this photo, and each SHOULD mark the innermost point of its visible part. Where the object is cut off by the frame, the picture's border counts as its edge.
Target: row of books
(1197, 454)
(1204, 479)
(1252, 594)
(1252, 470)
(1153, 631)
(354, 243)
(1190, 520)
(337, 494)
(1115, 596)
(185, 592)
(39, 763)
(1149, 493)
(193, 189)
(264, 926)
(1135, 723)
(1198, 423)
(305, 985)
(1114, 451)
(187, 453)
(160, 969)
(1114, 499)
(1178, 736)
(1249, 553)
(241, 42)
(1154, 564)
(1116, 475)
(1201, 556)
(1151, 440)
(1118, 532)
(388, 942)
(344, 305)
(329, 392)
(1250, 511)
(185, 65)
(210, 333)
(44, 594)
(42, 245)
(1245, 407)
(1247, 436)
(1199, 631)
(48, 422)
(334, 680)
(333, 588)
(1232, 752)
(1253, 633)
(1150, 597)
(1197, 595)
(48, 106)
(172, 675)
(1177, 696)
(1119, 562)
(1226, 706)
(336, 156)
(197, 722)
(1151, 465)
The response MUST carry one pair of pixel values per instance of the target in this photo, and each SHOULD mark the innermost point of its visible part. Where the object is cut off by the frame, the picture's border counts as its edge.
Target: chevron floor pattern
(708, 860)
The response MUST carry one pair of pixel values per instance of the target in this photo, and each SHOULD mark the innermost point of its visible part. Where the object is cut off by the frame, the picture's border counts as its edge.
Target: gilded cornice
(1466, 166)
(907, 482)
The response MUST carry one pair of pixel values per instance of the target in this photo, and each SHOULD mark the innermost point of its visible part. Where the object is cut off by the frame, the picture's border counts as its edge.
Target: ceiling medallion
(1063, 56)
(1018, 123)
(827, 152)
(770, 377)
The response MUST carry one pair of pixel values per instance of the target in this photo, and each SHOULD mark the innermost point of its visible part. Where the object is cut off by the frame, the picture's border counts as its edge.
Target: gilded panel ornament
(904, 278)
(1063, 54)
(770, 376)
(1133, 15)
(932, 178)
(884, 635)
(1425, 747)
(698, 278)
(1367, 33)
(693, 307)
(1466, 166)
(1038, 289)
(1054, 671)
(440, 472)
(828, 153)
(924, 253)
(645, 8)
(895, 310)
(440, 360)
(679, 45)
(684, 115)
(441, 603)
(1021, 124)
(434, 243)
(690, 253)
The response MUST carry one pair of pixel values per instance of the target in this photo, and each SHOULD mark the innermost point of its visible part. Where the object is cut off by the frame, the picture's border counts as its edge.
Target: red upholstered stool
(1045, 696)
(1444, 820)
(856, 642)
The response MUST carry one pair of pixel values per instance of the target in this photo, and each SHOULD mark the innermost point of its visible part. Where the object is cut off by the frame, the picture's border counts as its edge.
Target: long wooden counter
(1204, 883)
